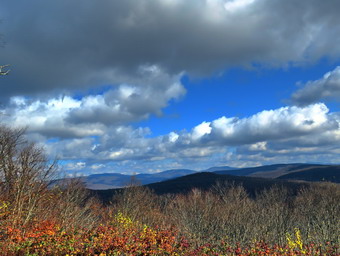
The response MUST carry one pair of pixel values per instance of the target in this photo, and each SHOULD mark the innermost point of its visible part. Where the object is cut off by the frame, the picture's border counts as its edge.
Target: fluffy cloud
(91, 115)
(267, 125)
(63, 45)
(328, 87)
(320, 147)
(282, 134)
(130, 102)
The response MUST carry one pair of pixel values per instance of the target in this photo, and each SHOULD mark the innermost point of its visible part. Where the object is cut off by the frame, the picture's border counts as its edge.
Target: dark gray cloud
(63, 45)
(130, 102)
(326, 88)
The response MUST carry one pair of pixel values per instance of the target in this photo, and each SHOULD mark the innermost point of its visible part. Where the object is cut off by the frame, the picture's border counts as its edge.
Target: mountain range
(117, 180)
(295, 171)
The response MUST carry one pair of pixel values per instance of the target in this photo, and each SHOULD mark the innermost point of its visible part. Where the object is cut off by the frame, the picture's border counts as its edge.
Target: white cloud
(234, 5)
(268, 136)
(91, 115)
(48, 117)
(200, 130)
(75, 166)
(97, 166)
(268, 125)
(121, 154)
(258, 146)
(173, 137)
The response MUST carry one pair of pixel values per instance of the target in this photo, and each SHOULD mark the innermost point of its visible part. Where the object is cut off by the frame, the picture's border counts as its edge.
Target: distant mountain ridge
(322, 173)
(293, 171)
(205, 181)
(221, 168)
(117, 180)
(298, 171)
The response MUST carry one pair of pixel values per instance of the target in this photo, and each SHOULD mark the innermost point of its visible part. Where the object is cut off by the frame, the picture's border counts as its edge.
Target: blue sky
(150, 85)
(237, 92)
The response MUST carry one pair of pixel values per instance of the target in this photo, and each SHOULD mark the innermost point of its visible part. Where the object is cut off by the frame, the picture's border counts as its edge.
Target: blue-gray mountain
(117, 180)
(295, 171)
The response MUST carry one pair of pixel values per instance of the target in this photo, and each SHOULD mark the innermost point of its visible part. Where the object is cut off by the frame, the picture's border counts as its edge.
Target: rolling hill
(294, 171)
(306, 172)
(206, 181)
(116, 180)
(323, 173)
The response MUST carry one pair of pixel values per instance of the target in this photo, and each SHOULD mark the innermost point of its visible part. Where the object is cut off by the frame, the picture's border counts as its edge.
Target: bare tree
(24, 172)
(71, 204)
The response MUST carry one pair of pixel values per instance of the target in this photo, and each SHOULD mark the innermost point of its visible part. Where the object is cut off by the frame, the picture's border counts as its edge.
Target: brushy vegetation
(64, 220)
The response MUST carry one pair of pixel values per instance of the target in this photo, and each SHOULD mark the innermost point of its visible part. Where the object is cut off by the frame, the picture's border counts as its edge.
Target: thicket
(39, 219)
(227, 212)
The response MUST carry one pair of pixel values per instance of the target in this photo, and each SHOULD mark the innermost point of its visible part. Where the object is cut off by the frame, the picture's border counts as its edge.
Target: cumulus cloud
(267, 125)
(63, 45)
(130, 102)
(265, 137)
(320, 147)
(48, 117)
(200, 130)
(91, 115)
(328, 87)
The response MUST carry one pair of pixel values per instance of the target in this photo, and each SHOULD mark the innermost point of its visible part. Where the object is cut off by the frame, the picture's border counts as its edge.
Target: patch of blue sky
(94, 90)
(52, 140)
(238, 93)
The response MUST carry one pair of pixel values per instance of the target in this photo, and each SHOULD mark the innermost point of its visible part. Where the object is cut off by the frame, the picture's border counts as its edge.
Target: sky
(142, 86)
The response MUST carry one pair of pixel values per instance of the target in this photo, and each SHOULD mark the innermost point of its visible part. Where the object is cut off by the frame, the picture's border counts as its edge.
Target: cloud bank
(63, 45)
(266, 136)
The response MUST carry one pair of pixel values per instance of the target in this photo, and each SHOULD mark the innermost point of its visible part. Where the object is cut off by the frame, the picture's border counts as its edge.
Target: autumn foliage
(171, 225)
